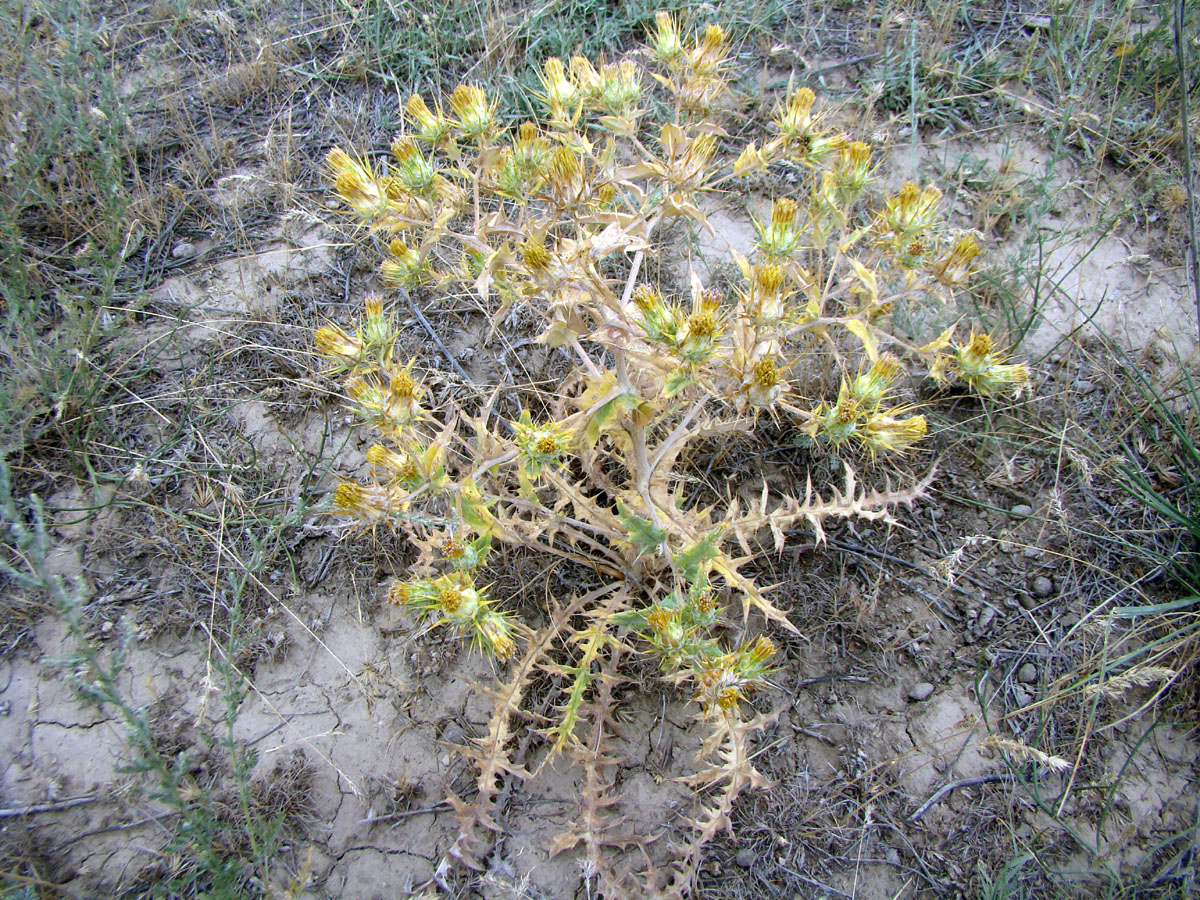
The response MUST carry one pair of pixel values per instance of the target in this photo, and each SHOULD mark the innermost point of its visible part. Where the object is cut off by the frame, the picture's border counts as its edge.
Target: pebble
(1027, 674)
(1022, 510)
(892, 856)
(985, 618)
(922, 690)
(1083, 386)
(1043, 586)
(183, 250)
(745, 857)
(1027, 601)
(1021, 696)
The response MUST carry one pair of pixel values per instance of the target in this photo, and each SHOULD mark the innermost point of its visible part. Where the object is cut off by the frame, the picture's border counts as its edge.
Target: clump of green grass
(64, 232)
(430, 47)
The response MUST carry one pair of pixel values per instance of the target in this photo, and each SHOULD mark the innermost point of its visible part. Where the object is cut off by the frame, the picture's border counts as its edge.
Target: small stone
(922, 690)
(745, 857)
(1022, 510)
(1027, 674)
(1021, 696)
(985, 618)
(1083, 386)
(183, 250)
(892, 856)
(1027, 601)
(1043, 586)
(1032, 553)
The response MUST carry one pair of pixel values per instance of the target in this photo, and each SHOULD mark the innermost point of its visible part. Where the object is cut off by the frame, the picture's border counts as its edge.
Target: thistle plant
(537, 217)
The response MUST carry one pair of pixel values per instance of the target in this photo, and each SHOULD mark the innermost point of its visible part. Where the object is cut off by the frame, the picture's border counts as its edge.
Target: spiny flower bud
(665, 38)
(782, 236)
(416, 173)
(871, 386)
(403, 267)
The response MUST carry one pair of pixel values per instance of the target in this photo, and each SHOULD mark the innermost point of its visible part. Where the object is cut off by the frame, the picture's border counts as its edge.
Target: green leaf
(643, 534)
(605, 414)
(689, 562)
(678, 381)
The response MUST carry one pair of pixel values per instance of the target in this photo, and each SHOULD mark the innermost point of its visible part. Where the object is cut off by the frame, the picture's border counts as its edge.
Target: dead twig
(947, 788)
(54, 806)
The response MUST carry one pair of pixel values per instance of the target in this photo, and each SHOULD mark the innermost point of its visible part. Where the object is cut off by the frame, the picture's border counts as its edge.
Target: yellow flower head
(474, 115)
(620, 87)
(495, 634)
(403, 267)
(984, 368)
(334, 343)
(367, 503)
(870, 387)
(356, 183)
(911, 211)
(783, 235)
(540, 445)
(710, 51)
(957, 264)
(430, 126)
(399, 594)
(891, 434)
(534, 255)
(559, 93)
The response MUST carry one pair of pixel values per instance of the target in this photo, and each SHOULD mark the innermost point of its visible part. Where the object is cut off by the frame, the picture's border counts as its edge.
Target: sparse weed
(223, 824)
